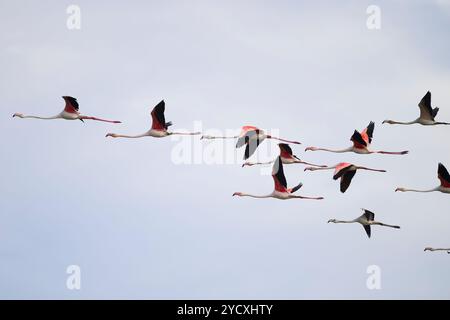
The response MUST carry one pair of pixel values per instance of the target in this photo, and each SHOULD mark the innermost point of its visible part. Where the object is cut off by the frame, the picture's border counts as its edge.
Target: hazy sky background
(140, 226)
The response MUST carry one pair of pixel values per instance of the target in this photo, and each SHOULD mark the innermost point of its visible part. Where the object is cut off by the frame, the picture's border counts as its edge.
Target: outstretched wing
(426, 111)
(444, 176)
(347, 179)
(285, 151)
(71, 104)
(368, 230)
(251, 147)
(358, 140)
(370, 216)
(367, 133)
(341, 168)
(246, 136)
(158, 119)
(278, 176)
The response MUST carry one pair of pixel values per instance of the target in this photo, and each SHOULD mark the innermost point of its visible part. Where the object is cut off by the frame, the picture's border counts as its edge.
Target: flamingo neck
(256, 196)
(344, 221)
(206, 137)
(42, 118)
(403, 123)
(335, 151)
(131, 137)
(422, 191)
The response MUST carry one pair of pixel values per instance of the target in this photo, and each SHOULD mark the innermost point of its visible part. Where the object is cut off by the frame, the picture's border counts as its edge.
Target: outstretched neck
(127, 136)
(256, 196)
(207, 137)
(41, 118)
(401, 122)
(344, 221)
(419, 191)
(336, 151)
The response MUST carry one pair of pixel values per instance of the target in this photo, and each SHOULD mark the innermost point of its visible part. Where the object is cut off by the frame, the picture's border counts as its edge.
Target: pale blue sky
(140, 226)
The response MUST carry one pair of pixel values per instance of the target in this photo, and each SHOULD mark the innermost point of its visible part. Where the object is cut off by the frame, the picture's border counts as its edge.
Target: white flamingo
(159, 127)
(251, 137)
(444, 187)
(281, 191)
(361, 143)
(427, 114)
(70, 112)
(366, 220)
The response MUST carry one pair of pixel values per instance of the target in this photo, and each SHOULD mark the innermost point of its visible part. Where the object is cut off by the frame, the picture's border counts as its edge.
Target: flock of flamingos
(251, 137)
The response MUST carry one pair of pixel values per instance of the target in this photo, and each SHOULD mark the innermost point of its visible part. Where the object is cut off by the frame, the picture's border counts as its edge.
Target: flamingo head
(310, 169)
(332, 220)
(239, 194)
(247, 164)
(400, 190)
(206, 137)
(19, 115)
(388, 121)
(311, 149)
(428, 249)
(112, 135)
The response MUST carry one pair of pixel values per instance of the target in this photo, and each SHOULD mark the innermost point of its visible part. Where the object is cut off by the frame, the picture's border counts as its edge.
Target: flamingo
(251, 137)
(70, 112)
(287, 157)
(361, 143)
(159, 126)
(366, 220)
(281, 190)
(443, 176)
(427, 114)
(345, 171)
(437, 249)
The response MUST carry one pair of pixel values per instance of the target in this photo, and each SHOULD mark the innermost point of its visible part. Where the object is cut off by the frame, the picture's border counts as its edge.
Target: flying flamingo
(427, 114)
(251, 137)
(70, 112)
(361, 143)
(345, 171)
(287, 157)
(366, 220)
(159, 126)
(281, 190)
(437, 249)
(443, 176)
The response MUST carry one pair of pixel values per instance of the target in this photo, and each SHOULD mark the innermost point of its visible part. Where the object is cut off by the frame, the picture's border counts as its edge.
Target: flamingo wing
(278, 176)
(248, 133)
(158, 119)
(71, 104)
(347, 179)
(369, 215)
(426, 111)
(251, 147)
(285, 150)
(341, 168)
(367, 133)
(368, 230)
(358, 140)
(444, 176)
